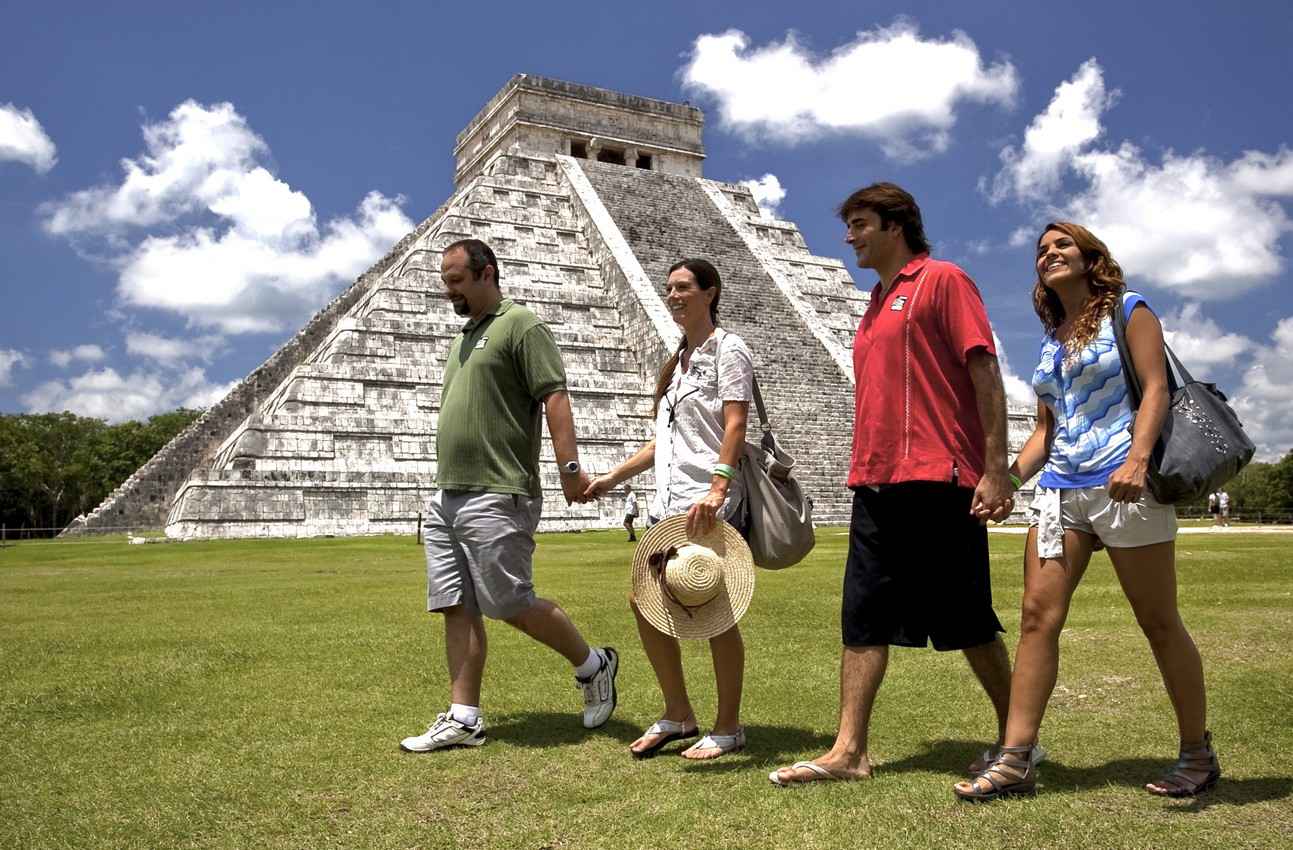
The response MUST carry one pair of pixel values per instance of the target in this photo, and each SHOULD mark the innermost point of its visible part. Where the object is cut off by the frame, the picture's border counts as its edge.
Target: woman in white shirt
(702, 399)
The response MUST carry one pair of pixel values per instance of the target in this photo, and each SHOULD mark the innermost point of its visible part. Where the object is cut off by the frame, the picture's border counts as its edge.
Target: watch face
(571, 466)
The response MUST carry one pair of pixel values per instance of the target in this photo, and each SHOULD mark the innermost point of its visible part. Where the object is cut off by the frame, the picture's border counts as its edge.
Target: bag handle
(1129, 365)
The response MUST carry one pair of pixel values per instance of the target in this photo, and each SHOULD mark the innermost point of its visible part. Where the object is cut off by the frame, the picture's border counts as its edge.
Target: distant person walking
(1223, 502)
(1214, 508)
(702, 400)
(1092, 491)
(630, 510)
(928, 468)
(503, 371)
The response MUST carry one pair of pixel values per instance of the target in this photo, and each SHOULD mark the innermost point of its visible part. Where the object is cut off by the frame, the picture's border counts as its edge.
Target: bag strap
(764, 424)
(1172, 363)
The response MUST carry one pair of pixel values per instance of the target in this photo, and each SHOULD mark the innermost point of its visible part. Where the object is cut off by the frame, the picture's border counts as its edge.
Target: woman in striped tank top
(1092, 494)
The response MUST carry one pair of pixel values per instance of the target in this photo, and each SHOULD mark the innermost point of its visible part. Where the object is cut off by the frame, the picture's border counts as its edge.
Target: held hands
(598, 487)
(1128, 481)
(994, 498)
(575, 487)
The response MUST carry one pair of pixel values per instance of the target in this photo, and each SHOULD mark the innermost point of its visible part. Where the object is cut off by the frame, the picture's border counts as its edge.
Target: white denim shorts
(1120, 525)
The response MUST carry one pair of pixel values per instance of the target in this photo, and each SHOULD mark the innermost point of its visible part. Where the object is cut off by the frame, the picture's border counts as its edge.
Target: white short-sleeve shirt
(689, 422)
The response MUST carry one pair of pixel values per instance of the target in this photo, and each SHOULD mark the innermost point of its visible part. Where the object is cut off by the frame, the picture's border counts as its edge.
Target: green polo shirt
(500, 369)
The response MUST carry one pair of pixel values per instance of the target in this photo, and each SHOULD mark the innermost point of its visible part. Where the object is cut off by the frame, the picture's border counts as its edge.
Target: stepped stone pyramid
(586, 196)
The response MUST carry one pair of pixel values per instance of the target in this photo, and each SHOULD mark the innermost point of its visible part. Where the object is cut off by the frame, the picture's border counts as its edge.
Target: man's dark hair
(479, 255)
(892, 204)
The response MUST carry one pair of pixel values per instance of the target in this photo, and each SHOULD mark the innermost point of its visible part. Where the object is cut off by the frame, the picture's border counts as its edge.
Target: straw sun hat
(692, 587)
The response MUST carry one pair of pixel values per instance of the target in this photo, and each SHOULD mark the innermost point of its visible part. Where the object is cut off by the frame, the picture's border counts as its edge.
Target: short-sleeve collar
(913, 267)
(499, 309)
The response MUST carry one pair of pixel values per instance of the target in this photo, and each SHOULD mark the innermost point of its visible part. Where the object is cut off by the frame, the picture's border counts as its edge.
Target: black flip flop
(666, 738)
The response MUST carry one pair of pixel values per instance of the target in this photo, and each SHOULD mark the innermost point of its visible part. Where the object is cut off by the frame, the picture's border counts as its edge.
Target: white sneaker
(599, 691)
(446, 732)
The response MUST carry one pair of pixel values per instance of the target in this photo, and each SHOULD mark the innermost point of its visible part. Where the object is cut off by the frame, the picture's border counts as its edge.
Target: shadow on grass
(951, 756)
(1238, 792)
(766, 744)
(550, 729)
(1134, 773)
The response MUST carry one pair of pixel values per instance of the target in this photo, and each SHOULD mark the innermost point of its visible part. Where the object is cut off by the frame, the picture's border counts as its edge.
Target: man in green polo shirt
(502, 372)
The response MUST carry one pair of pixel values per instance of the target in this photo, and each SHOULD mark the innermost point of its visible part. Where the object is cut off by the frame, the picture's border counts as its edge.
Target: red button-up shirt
(915, 414)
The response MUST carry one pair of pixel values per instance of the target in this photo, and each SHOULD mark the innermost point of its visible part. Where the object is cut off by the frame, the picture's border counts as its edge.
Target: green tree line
(54, 466)
(1261, 488)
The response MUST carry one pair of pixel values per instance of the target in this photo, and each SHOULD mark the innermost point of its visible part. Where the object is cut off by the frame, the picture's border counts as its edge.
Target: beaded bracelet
(725, 470)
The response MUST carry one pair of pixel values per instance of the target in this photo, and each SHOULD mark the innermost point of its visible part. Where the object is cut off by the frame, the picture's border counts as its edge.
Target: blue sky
(182, 185)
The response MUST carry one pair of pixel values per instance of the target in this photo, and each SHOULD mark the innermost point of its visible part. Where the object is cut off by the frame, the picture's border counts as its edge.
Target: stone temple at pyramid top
(542, 115)
(587, 197)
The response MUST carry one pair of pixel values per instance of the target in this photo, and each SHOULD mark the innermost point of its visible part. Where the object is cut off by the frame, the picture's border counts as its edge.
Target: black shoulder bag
(1202, 444)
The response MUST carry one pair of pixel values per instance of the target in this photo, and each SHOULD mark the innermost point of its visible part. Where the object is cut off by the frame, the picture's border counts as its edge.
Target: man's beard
(461, 308)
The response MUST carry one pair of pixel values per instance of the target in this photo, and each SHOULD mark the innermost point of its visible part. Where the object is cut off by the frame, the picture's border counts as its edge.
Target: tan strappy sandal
(1012, 773)
(1195, 760)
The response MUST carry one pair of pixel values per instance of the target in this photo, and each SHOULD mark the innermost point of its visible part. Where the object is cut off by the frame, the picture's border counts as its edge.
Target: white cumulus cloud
(63, 357)
(10, 359)
(23, 139)
(200, 227)
(768, 194)
(107, 394)
(783, 91)
(1264, 400)
(1193, 223)
(1019, 393)
(173, 352)
(1201, 344)
(1070, 122)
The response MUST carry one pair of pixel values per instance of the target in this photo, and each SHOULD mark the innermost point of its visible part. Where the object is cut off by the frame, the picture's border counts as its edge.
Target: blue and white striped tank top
(1090, 405)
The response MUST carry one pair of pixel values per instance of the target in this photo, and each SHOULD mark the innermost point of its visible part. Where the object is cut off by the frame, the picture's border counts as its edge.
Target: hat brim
(715, 616)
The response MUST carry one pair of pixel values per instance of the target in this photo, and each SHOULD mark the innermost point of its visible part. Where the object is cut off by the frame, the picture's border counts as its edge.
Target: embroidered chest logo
(899, 302)
(480, 343)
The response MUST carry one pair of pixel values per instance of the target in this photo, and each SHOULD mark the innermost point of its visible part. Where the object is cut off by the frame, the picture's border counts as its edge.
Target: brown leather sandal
(1012, 773)
(1196, 770)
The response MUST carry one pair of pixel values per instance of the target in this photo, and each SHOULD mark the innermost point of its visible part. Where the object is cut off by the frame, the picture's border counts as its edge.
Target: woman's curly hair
(1104, 276)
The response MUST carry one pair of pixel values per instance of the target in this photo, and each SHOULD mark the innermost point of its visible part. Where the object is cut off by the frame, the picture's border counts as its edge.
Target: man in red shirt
(928, 470)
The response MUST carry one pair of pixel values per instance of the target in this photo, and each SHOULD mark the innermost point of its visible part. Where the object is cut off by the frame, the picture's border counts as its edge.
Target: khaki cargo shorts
(479, 551)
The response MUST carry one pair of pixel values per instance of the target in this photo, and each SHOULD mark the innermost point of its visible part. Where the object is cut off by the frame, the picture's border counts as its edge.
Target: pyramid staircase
(587, 196)
(346, 444)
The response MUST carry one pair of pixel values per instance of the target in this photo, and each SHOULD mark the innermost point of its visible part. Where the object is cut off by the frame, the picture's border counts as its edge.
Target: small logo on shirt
(480, 343)
(898, 303)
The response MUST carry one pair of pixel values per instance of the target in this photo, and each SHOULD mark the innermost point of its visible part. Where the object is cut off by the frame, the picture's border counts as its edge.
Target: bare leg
(729, 670)
(665, 656)
(862, 670)
(991, 665)
(1049, 585)
(1048, 589)
(1148, 577)
(465, 646)
(548, 624)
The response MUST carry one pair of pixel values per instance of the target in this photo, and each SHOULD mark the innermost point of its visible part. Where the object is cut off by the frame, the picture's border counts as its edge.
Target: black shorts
(917, 569)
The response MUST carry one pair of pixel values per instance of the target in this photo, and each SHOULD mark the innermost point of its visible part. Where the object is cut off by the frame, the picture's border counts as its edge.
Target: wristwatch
(570, 467)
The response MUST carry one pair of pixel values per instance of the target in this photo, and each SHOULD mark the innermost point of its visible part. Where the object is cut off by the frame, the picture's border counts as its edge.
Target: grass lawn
(251, 695)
